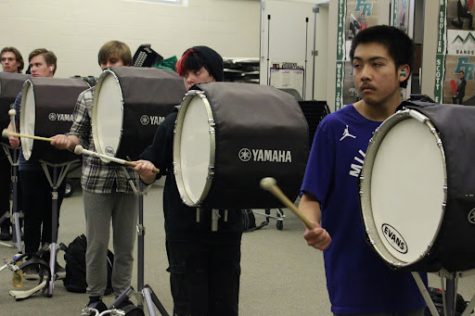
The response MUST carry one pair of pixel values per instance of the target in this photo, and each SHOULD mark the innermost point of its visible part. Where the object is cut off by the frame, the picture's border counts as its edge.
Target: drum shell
(148, 96)
(452, 248)
(54, 102)
(10, 85)
(254, 118)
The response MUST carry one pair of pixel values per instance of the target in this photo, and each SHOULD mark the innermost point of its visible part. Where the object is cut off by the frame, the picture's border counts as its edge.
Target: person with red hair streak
(204, 265)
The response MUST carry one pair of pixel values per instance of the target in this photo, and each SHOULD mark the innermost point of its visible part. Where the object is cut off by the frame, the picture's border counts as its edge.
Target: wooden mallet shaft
(6, 133)
(79, 150)
(270, 185)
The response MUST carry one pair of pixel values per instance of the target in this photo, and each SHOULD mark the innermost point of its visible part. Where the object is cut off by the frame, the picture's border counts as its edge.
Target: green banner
(441, 53)
(340, 54)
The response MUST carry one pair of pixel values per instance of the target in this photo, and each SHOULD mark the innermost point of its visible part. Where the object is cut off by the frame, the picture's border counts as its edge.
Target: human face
(195, 77)
(376, 77)
(9, 62)
(39, 67)
(112, 62)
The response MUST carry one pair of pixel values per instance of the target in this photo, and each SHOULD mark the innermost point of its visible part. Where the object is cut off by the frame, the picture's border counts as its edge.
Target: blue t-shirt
(358, 280)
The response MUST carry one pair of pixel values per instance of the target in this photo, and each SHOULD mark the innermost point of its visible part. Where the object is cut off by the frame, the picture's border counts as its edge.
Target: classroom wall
(76, 29)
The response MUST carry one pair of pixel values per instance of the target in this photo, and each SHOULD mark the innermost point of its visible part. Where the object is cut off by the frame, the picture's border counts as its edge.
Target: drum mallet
(79, 150)
(12, 114)
(6, 133)
(270, 184)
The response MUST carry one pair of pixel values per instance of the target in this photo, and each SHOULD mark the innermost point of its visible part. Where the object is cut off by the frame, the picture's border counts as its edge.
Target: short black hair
(398, 44)
(196, 57)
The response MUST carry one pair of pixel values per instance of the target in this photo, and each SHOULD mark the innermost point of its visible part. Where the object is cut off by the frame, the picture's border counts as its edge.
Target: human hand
(61, 141)
(14, 142)
(317, 237)
(146, 170)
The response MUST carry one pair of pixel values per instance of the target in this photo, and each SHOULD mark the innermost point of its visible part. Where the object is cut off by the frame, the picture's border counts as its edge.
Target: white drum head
(403, 189)
(27, 118)
(194, 148)
(107, 114)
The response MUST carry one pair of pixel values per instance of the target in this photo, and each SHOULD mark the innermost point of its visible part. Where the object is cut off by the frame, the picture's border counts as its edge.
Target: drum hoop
(365, 184)
(28, 84)
(94, 123)
(189, 96)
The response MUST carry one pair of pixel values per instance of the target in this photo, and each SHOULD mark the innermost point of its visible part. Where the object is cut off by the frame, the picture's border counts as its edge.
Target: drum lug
(418, 116)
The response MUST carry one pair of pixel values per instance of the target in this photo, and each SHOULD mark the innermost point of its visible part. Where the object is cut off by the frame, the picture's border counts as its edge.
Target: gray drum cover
(454, 248)
(10, 86)
(149, 95)
(260, 132)
(54, 103)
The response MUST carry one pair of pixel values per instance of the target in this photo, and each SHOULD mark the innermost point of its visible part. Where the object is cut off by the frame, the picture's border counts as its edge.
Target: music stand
(16, 236)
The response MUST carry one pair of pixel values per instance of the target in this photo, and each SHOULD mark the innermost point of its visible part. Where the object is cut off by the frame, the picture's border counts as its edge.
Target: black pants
(204, 277)
(5, 186)
(457, 100)
(37, 208)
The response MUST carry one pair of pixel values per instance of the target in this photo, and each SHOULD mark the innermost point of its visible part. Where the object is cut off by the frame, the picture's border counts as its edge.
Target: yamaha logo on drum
(151, 120)
(265, 155)
(471, 216)
(60, 117)
(394, 238)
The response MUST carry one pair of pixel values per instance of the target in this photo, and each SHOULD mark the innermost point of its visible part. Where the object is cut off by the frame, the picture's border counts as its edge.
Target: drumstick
(270, 185)
(6, 133)
(79, 150)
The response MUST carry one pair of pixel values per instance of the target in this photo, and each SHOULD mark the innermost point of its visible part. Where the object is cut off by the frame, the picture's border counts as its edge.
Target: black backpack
(75, 258)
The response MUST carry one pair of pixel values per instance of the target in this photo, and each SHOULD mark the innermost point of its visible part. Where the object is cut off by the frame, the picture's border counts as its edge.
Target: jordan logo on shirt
(346, 133)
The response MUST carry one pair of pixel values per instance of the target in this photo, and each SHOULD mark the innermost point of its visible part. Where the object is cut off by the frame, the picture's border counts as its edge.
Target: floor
(281, 275)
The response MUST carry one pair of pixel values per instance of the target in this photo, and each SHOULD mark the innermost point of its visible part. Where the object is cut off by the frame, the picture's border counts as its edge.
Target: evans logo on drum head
(471, 216)
(265, 155)
(394, 238)
(109, 150)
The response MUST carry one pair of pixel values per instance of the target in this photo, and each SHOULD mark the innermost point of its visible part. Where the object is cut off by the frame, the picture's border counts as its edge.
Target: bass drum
(10, 85)
(46, 109)
(129, 103)
(229, 136)
(418, 189)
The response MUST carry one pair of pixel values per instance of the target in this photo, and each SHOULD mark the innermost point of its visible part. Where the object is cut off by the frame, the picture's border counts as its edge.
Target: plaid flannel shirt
(97, 176)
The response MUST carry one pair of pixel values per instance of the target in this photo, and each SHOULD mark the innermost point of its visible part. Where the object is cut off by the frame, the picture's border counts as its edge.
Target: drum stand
(449, 293)
(146, 292)
(13, 159)
(279, 217)
(59, 173)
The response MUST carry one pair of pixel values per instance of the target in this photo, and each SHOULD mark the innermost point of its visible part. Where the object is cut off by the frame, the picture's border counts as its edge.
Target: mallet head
(267, 183)
(78, 150)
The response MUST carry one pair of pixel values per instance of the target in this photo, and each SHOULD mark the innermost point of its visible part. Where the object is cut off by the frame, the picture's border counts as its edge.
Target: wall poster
(459, 72)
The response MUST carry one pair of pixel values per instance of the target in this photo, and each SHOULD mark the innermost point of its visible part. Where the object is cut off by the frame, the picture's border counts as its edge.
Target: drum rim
(189, 96)
(94, 120)
(365, 185)
(27, 152)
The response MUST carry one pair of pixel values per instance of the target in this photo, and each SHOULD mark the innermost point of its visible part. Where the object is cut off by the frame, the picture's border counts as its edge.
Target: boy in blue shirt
(358, 281)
